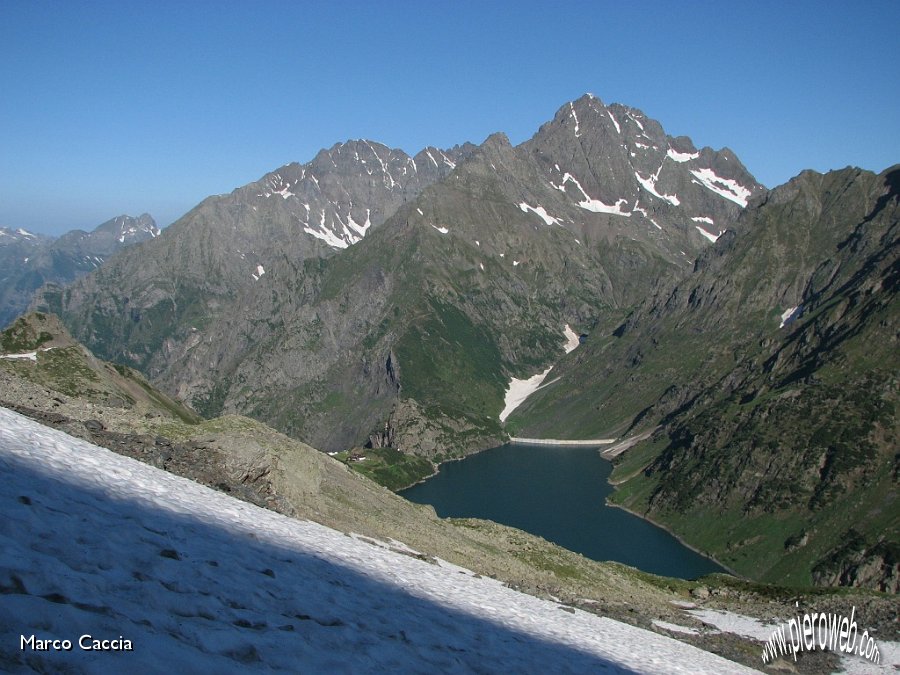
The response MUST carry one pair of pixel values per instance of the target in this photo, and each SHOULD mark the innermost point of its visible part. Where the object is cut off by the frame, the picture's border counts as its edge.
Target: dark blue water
(558, 493)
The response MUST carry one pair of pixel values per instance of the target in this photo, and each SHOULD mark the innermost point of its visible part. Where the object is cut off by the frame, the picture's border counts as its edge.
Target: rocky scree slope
(408, 337)
(772, 372)
(28, 261)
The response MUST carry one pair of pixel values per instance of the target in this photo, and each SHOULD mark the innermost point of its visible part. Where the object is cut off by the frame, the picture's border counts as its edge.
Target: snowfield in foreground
(92, 543)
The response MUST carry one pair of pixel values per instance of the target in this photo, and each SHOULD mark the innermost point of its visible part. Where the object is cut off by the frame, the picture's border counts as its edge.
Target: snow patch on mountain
(519, 390)
(327, 236)
(681, 156)
(276, 186)
(574, 117)
(730, 622)
(675, 628)
(388, 178)
(615, 123)
(712, 237)
(598, 206)
(448, 161)
(724, 187)
(790, 315)
(541, 212)
(572, 340)
(360, 229)
(31, 356)
(649, 184)
(350, 232)
(589, 203)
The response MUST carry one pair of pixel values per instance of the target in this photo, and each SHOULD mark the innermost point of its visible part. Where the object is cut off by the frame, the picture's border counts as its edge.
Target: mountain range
(253, 303)
(29, 260)
(741, 340)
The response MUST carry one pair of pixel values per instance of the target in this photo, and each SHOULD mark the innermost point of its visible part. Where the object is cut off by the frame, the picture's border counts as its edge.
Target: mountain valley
(741, 340)
(245, 459)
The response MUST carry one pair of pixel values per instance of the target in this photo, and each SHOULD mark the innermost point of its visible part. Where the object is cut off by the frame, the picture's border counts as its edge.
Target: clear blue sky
(132, 106)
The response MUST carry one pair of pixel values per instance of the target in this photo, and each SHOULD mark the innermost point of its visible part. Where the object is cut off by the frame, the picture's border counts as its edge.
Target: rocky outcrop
(37, 351)
(858, 563)
(413, 431)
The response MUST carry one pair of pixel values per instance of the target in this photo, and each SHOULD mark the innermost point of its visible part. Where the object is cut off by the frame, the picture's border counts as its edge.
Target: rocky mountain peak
(498, 140)
(305, 280)
(615, 161)
(331, 202)
(10, 236)
(127, 229)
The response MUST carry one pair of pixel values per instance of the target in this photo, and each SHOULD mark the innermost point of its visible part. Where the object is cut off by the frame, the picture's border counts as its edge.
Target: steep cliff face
(614, 160)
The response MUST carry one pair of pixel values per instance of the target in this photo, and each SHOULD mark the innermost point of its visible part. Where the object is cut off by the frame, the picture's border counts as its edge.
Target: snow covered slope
(92, 543)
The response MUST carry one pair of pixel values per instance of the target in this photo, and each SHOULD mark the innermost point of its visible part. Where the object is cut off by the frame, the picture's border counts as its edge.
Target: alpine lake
(558, 493)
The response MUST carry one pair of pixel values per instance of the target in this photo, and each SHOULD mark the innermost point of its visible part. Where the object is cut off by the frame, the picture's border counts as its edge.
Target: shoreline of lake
(678, 537)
